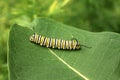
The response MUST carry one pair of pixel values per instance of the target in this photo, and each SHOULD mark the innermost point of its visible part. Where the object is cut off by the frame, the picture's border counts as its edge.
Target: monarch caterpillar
(55, 43)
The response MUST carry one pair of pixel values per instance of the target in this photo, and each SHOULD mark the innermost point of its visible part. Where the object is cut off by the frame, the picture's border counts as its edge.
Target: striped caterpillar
(55, 43)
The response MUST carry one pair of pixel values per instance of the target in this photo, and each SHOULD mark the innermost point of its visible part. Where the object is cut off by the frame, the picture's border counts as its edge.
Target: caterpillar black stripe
(55, 43)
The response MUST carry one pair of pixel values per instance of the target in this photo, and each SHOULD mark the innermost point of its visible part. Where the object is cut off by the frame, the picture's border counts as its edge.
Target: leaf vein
(73, 69)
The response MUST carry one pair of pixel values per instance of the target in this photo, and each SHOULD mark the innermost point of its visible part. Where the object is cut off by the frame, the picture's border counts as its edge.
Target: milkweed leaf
(28, 61)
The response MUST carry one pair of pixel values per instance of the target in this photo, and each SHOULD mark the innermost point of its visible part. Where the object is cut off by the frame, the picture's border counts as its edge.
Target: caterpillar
(55, 43)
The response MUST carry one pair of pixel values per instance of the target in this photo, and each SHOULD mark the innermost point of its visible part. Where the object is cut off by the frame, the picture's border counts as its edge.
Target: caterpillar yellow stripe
(55, 43)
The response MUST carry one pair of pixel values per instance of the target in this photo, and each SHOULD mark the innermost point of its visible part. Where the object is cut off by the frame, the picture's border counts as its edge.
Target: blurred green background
(90, 15)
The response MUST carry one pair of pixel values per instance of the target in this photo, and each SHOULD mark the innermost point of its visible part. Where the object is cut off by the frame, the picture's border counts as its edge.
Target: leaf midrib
(70, 67)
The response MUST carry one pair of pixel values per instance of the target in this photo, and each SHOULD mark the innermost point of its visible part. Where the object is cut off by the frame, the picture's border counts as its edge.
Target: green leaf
(28, 61)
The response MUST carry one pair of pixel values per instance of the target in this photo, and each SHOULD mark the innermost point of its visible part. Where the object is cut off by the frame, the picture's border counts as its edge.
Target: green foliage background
(91, 15)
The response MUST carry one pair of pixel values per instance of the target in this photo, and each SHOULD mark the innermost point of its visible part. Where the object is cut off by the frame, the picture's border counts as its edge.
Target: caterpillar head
(78, 46)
